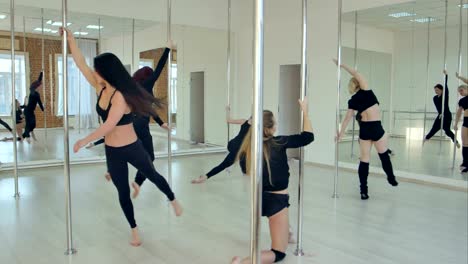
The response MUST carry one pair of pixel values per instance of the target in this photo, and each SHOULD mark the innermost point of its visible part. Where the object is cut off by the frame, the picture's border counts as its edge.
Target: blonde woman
(463, 109)
(275, 197)
(371, 132)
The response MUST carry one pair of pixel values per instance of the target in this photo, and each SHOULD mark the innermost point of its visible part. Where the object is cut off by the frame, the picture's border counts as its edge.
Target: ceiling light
(3, 16)
(57, 23)
(81, 33)
(464, 6)
(423, 20)
(45, 30)
(94, 27)
(401, 14)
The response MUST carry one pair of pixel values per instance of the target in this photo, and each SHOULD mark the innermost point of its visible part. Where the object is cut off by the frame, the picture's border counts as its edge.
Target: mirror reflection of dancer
(442, 91)
(463, 109)
(146, 77)
(19, 124)
(275, 197)
(120, 97)
(233, 148)
(33, 100)
(371, 132)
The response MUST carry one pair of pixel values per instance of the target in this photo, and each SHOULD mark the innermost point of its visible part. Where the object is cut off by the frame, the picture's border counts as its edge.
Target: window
(73, 86)
(174, 88)
(144, 63)
(5, 81)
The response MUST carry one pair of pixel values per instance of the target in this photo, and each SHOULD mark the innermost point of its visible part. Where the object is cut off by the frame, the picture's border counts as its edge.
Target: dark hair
(439, 86)
(142, 74)
(111, 69)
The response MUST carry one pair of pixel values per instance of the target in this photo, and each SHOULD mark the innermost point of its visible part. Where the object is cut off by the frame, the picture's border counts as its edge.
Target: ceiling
(435, 9)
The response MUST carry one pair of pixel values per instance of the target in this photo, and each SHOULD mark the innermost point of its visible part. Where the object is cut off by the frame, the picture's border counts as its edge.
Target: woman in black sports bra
(371, 132)
(119, 98)
(463, 109)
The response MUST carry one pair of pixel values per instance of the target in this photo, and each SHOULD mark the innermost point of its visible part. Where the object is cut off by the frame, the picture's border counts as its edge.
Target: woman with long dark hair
(275, 197)
(120, 97)
(442, 92)
(33, 100)
(371, 132)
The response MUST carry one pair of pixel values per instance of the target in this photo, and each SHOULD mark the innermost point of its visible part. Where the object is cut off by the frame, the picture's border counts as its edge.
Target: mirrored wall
(402, 50)
(197, 81)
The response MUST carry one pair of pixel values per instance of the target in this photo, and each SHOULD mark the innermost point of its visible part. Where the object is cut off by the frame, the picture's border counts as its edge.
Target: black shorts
(465, 121)
(372, 130)
(272, 203)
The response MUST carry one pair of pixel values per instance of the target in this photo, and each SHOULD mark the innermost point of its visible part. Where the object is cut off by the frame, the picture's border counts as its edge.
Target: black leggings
(3, 123)
(436, 127)
(148, 146)
(30, 124)
(117, 165)
(226, 163)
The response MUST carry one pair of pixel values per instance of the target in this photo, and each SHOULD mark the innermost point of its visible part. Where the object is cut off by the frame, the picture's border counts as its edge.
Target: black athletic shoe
(392, 181)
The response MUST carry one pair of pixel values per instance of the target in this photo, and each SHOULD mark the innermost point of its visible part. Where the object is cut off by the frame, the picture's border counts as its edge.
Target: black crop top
(279, 160)
(463, 103)
(362, 100)
(126, 118)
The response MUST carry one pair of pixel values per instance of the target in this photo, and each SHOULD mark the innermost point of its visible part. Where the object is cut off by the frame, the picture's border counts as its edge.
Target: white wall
(198, 49)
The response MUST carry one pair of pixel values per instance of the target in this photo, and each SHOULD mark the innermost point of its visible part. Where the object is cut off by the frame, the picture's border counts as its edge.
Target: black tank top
(126, 118)
(463, 103)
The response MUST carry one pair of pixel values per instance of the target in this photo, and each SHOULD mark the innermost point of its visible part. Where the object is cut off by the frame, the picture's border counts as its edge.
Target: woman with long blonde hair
(275, 197)
(371, 132)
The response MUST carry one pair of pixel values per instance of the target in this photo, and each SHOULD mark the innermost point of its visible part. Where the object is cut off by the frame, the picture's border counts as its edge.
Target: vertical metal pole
(79, 88)
(99, 36)
(169, 95)
(337, 122)
(66, 155)
(300, 204)
(256, 169)
(228, 68)
(13, 96)
(355, 67)
(133, 46)
(44, 83)
(427, 73)
(445, 68)
(460, 41)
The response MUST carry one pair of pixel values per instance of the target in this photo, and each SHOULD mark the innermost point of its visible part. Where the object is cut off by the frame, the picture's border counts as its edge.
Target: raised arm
(307, 136)
(446, 90)
(149, 82)
(230, 120)
(80, 59)
(463, 79)
(362, 81)
(116, 112)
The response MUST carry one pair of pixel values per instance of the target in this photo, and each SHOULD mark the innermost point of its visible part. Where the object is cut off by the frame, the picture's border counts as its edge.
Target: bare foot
(236, 260)
(136, 190)
(177, 208)
(108, 176)
(28, 140)
(136, 241)
(200, 179)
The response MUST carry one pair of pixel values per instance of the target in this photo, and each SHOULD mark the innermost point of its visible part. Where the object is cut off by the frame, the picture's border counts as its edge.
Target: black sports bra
(126, 118)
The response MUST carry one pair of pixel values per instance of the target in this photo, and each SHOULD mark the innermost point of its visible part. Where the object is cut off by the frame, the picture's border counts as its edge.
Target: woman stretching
(371, 131)
(119, 98)
(463, 109)
(33, 100)
(233, 148)
(145, 77)
(439, 90)
(19, 124)
(275, 198)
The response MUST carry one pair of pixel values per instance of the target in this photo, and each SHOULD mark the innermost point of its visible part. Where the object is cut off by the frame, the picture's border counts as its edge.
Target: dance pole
(337, 122)
(355, 67)
(66, 155)
(228, 68)
(79, 89)
(427, 72)
(13, 97)
(99, 36)
(460, 40)
(300, 204)
(43, 77)
(169, 96)
(445, 68)
(133, 46)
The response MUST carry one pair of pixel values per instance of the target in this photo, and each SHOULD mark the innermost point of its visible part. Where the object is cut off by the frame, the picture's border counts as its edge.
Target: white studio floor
(408, 224)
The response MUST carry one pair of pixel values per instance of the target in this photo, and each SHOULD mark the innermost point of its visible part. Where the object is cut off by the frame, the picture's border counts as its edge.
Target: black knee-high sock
(363, 172)
(388, 168)
(465, 156)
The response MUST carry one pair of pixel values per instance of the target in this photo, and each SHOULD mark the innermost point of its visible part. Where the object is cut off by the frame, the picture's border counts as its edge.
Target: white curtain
(85, 100)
